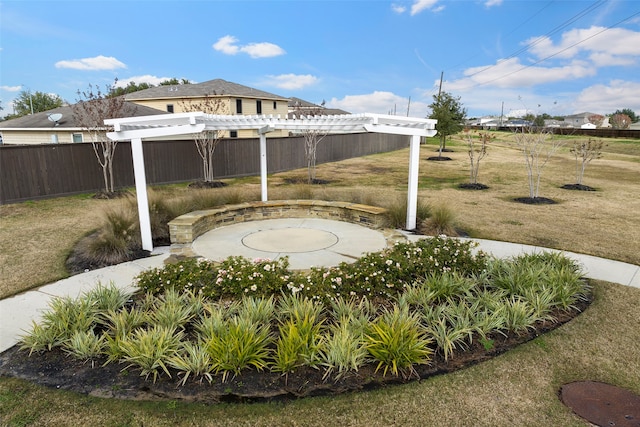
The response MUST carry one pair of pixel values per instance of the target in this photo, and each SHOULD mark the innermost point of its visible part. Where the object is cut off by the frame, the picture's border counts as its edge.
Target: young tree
(93, 107)
(537, 148)
(311, 140)
(620, 121)
(477, 151)
(207, 140)
(449, 112)
(36, 102)
(585, 152)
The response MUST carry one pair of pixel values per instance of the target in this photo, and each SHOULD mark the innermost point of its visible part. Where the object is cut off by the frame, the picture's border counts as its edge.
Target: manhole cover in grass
(290, 240)
(602, 404)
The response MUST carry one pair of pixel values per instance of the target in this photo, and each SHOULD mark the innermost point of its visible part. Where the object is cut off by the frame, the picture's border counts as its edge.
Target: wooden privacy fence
(30, 172)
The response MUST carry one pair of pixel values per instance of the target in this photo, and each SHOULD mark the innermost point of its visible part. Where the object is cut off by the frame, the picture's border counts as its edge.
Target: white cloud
(615, 42)
(398, 8)
(99, 62)
(379, 102)
(511, 73)
(228, 45)
(291, 81)
(491, 3)
(11, 88)
(606, 98)
(262, 50)
(420, 5)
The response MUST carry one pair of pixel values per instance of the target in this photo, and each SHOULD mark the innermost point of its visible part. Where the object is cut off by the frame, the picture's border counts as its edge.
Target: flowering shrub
(378, 274)
(386, 273)
(233, 277)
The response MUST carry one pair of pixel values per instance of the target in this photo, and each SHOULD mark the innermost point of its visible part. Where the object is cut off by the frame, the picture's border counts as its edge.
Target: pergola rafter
(136, 129)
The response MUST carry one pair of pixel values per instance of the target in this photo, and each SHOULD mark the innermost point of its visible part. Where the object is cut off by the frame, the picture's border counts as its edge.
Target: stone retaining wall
(186, 228)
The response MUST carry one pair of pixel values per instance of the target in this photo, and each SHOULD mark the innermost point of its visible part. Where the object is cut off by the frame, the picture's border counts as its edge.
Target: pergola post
(412, 190)
(141, 193)
(263, 162)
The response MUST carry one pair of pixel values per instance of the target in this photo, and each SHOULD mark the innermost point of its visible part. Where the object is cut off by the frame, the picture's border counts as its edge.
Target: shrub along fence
(30, 172)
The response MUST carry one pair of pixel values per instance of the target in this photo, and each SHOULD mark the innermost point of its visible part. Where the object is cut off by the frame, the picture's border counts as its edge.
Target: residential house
(577, 120)
(57, 126)
(299, 106)
(220, 96)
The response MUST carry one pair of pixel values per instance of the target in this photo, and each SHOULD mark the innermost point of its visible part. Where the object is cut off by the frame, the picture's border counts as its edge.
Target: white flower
(254, 288)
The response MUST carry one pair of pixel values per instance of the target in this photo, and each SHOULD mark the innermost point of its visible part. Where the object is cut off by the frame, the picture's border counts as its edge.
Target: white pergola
(136, 129)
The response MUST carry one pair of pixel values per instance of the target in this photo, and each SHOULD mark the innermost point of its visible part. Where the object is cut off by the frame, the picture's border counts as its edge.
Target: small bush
(397, 213)
(396, 340)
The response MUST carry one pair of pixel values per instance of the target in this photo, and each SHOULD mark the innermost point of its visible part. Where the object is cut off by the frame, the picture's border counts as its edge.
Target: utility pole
(440, 88)
(501, 113)
(408, 106)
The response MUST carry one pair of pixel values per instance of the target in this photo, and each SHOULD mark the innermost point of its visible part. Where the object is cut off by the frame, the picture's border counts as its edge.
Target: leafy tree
(538, 121)
(537, 148)
(36, 102)
(620, 121)
(129, 88)
(449, 113)
(585, 152)
(93, 107)
(173, 81)
(628, 112)
(207, 140)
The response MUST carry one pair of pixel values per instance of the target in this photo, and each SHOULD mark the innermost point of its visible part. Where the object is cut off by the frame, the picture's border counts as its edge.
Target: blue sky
(555, 57)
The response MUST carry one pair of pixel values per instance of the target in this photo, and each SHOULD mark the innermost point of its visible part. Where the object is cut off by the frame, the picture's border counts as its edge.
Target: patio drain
(602, 404)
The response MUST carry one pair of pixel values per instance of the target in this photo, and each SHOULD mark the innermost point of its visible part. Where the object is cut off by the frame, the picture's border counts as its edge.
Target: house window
(76, 137)
(233, 134)
(259, 107)
(239, 106)
(275, 105)
(169, 108)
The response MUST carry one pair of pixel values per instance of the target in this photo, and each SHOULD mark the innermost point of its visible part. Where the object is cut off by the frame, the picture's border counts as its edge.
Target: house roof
(192, 90)
(579, 115)
(306, 105)
(41, 120)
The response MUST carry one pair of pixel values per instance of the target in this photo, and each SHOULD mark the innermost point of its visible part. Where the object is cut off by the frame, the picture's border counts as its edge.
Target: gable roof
(297, 103)
(192, 90)
(41, 120)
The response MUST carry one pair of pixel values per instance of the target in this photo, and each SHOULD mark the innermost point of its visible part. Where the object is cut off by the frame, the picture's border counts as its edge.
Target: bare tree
(477, 151)
(92, 108)
(311, 140)
(537, 148)
(585, 152)
(207, 140)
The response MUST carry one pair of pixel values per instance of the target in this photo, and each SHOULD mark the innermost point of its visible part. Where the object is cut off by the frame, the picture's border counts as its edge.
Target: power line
(556, 53)
(538, 40)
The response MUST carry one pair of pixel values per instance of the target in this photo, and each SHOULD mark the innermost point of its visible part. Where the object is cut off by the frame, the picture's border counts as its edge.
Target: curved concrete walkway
(306, 242)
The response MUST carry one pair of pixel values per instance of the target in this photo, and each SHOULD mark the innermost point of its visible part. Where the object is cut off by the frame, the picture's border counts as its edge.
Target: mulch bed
(470, 186)
(57, 370)
(535, 200)
(579, 187)
(439, 158)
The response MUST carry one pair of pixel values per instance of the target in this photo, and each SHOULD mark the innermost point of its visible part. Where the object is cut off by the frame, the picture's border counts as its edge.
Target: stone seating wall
(186, 228)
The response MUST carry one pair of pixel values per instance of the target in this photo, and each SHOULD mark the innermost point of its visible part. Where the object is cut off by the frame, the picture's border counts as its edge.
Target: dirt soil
(57, 370)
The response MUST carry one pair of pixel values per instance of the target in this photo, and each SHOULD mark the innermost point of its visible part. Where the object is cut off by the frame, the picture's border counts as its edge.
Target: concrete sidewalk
(306, 243)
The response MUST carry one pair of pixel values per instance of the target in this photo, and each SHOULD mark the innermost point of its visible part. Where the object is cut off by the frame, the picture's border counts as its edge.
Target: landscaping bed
(245, 330)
